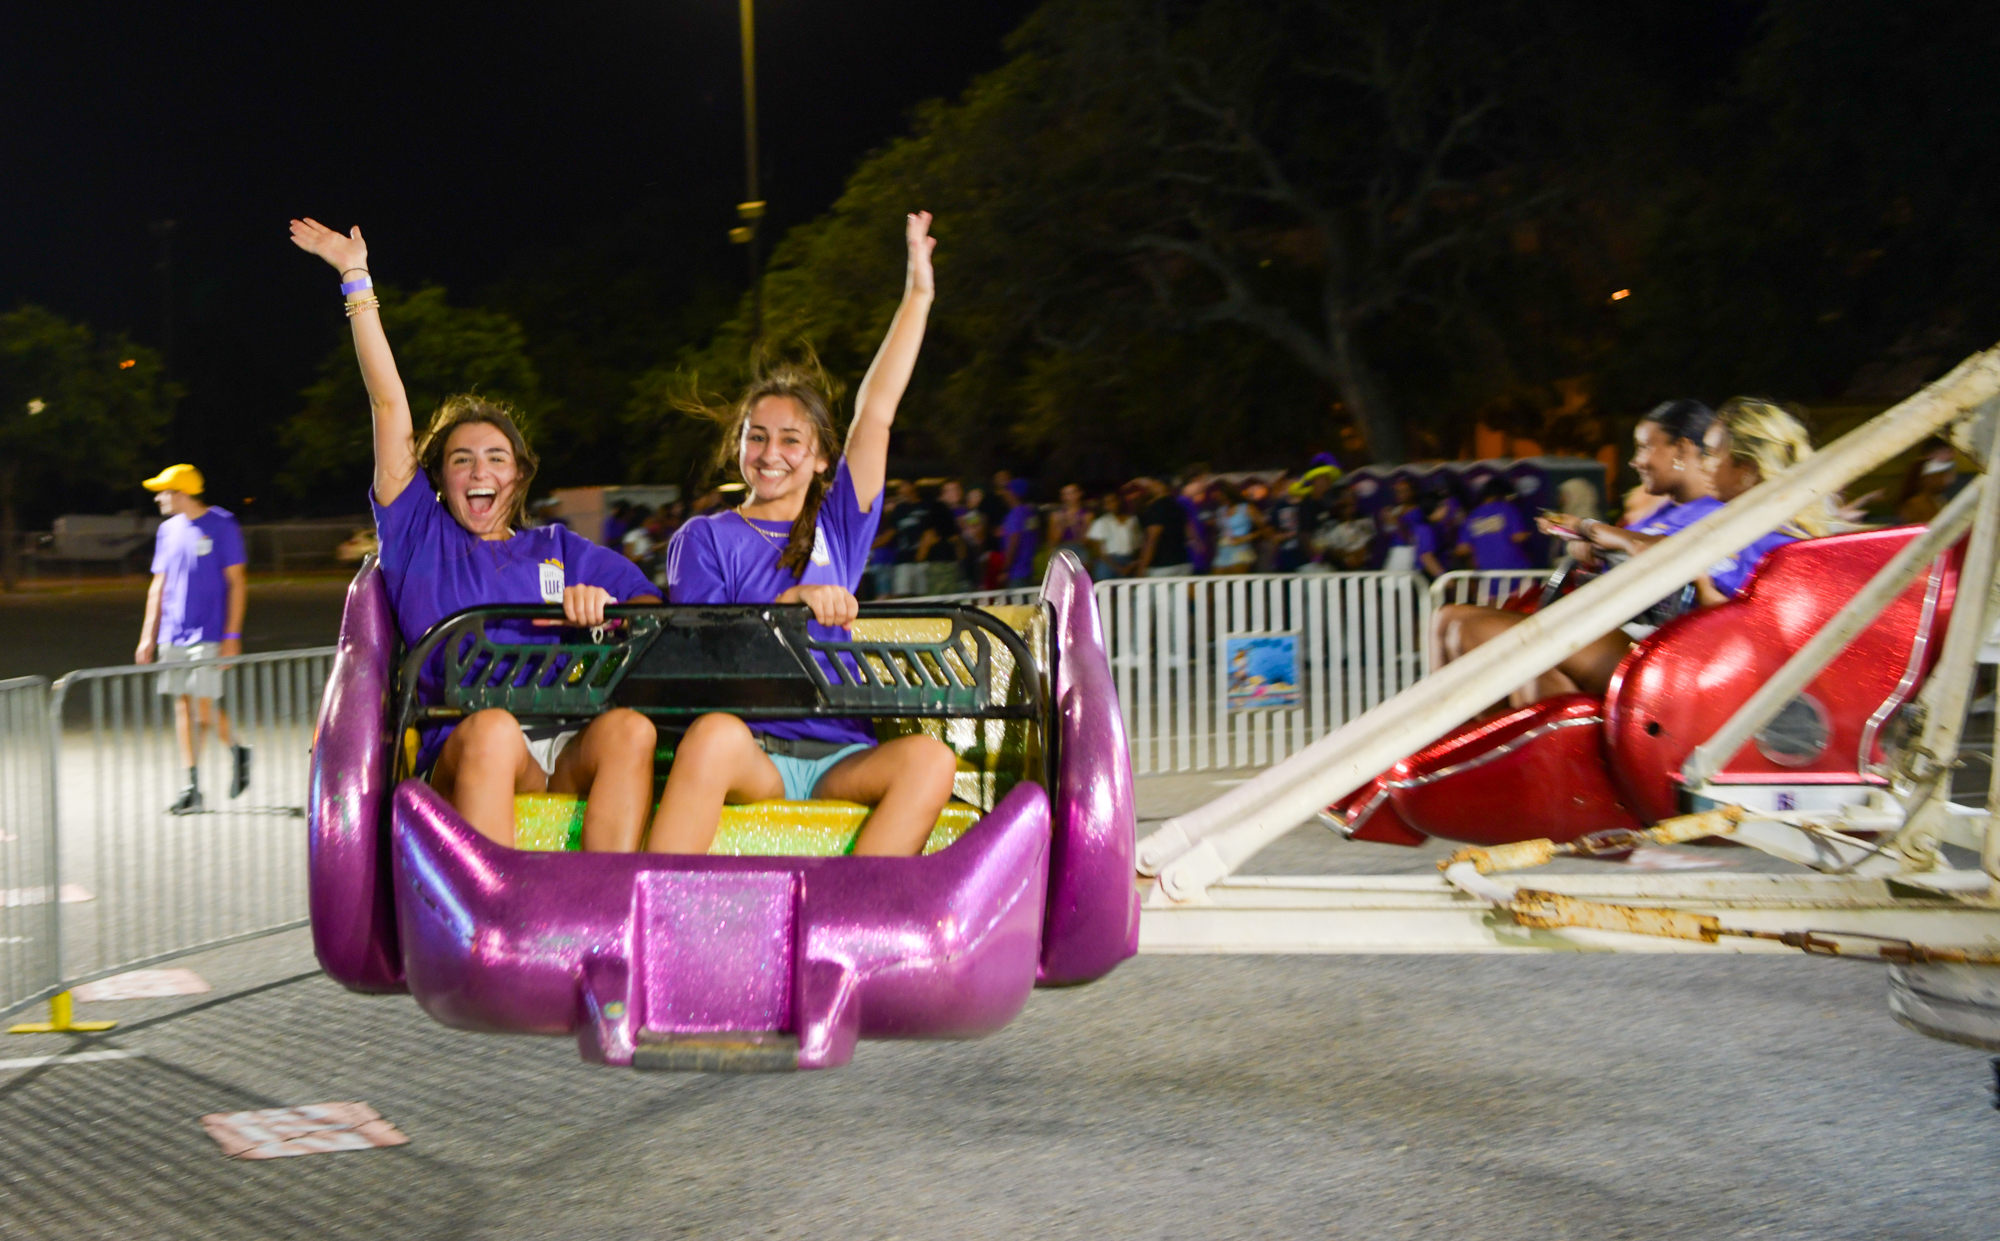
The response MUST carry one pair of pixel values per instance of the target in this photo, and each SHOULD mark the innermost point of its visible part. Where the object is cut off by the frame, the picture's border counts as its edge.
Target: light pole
(751, 209)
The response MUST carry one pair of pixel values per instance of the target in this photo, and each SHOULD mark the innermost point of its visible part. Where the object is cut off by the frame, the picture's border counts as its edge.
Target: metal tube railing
(30, 962)
(162, 884)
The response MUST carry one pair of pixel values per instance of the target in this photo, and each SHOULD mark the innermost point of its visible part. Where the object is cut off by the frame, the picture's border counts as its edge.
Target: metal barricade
(143, 883)
(30, 963)
(1486, 587)
(1353, 639)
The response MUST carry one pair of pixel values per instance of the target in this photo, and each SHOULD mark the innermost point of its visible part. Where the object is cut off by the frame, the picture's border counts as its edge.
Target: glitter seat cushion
(553, 822)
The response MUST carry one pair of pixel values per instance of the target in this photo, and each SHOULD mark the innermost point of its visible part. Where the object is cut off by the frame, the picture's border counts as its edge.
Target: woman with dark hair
(1671, 462)
(461, 540)
(801, 535)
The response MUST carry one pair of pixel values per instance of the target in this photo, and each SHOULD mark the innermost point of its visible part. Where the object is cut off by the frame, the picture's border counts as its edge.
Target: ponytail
(799, 547)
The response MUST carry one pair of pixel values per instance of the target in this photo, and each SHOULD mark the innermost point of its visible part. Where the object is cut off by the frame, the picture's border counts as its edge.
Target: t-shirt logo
(821, 554)
(203, 546)
(552, 580)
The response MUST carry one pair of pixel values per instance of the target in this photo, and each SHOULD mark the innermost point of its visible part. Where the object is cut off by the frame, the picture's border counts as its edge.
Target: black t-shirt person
(1172, 547)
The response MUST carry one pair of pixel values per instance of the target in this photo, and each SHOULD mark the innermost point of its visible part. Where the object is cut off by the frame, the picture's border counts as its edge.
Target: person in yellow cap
(195, 611)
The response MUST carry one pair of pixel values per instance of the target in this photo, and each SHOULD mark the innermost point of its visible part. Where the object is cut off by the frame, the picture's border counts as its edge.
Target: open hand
(342, 251)
(832, 606)
(917, 232)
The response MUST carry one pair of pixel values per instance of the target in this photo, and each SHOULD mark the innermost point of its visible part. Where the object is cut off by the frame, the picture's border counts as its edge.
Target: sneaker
(189, 802)
(240, 773)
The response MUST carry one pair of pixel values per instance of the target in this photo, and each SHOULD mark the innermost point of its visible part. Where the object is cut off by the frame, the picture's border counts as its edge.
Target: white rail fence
(1351, 639)
(102, 875)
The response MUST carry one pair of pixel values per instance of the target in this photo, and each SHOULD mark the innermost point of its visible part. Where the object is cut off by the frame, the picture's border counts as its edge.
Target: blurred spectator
(1195, 503)
(1315, 512)
(646, 545)
(1925, 484)
(1019, 532)
(619, 520)
(882, 558)
(1395, 525)
(1495, 530)
(995, 504)
(1345, 538)
(1577, 498)
(1069, 525)
(1113, 539)
(1165, 520)
(907, 520)
(939, 548)
(1433, 529)
(952, 495)
(1238, 527)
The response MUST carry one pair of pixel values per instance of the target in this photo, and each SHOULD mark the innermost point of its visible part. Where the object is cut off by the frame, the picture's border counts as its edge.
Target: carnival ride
(775, 951)
(1816, 719)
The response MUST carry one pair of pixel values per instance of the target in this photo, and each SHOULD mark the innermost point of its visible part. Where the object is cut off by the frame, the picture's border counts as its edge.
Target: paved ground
(1565, 1096)
(1505, 1097)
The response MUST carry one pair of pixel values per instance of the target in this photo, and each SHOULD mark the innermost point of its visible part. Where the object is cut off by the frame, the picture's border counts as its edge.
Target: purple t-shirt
(433, 567)
(1730, 573)
(1490, 530)
(725, 557)
(192, 553)
(1671, 518)
(1021, 522)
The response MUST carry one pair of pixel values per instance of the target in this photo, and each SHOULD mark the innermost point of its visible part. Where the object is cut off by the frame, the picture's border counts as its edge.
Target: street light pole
(751, 209)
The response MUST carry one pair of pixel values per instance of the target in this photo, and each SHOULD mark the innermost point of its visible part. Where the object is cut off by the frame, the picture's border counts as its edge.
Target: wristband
(227, 636)
(356, 286)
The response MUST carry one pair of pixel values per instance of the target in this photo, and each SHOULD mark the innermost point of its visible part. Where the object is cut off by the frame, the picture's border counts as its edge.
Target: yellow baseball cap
(183, 478)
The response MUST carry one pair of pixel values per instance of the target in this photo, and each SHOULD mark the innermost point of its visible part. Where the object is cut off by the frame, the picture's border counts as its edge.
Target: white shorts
(546, 747)
(192, 682)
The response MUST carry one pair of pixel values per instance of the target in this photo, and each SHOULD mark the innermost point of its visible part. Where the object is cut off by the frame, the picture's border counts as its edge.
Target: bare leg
(716, 763)
(1463, 628)
(184, 729)
(484, 763)
(907, 780)
(213, 716)
(611, 763)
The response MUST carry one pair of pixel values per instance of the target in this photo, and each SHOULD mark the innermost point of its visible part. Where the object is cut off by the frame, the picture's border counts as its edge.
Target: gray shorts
(191, 682)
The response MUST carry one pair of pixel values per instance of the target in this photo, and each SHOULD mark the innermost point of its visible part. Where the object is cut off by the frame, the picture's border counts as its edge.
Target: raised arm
(882, 388)
(388, 404)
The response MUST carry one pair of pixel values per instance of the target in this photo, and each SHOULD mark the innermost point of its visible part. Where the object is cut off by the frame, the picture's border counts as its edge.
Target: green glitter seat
(553, 822)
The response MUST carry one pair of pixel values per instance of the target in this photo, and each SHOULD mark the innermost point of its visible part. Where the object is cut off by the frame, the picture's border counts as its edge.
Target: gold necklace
(774, 539)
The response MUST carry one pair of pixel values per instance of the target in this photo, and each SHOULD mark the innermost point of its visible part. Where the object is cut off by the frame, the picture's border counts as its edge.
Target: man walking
(195, 611)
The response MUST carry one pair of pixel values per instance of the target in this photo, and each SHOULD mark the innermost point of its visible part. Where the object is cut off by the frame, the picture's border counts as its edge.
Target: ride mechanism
(1815, 718)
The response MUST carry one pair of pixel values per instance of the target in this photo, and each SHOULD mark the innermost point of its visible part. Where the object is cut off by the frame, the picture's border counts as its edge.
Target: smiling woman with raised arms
(802, 535)
(459, 541)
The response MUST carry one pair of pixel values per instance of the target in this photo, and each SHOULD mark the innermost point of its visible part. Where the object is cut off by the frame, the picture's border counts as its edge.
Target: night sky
(462, 138)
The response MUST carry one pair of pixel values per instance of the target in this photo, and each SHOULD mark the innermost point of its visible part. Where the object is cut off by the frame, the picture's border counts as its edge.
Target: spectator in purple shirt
(195, 611)
(802, 535)
(454, 539)
(1020, 536)
(1495, 530)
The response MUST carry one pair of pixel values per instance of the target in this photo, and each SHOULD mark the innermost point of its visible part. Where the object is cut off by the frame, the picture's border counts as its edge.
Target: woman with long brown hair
(802, 535)
(459, 538)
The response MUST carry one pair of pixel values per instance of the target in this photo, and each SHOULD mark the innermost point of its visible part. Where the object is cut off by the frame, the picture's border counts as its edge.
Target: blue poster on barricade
(1263, 671)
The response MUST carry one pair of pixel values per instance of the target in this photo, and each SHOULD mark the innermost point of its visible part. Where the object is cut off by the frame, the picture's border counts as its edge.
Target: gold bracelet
(366, 303)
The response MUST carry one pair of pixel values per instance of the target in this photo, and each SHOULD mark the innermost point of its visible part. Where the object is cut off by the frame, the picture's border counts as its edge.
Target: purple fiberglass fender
(1092, 921)
(631, 950)
(353, 909)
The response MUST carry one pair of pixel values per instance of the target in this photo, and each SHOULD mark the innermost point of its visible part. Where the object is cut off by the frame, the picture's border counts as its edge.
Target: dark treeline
(1244, 231)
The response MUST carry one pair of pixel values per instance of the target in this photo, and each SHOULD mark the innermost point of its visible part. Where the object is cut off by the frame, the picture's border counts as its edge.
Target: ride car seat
(1571, 765)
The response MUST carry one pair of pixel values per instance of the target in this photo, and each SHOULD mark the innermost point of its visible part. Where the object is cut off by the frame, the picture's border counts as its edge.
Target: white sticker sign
(552, 581)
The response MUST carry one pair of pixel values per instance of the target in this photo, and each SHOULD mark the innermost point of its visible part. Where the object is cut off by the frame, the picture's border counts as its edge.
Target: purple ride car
(722, 962)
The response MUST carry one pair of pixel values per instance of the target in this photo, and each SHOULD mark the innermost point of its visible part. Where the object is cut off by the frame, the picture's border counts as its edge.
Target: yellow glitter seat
(553, 822)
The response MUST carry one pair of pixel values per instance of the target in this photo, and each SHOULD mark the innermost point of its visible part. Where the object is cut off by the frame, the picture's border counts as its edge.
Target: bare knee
(624, 729)
(711, 736)
(929, 764)
(489, 735)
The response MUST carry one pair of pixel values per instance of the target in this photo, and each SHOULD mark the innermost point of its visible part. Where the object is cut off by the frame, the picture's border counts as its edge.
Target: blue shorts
(802, 775)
